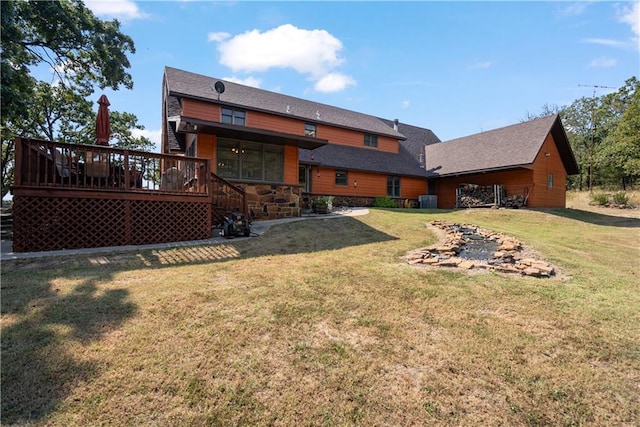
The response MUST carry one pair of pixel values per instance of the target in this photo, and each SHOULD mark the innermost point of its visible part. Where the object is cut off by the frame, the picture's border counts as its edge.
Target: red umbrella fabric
(103, 127)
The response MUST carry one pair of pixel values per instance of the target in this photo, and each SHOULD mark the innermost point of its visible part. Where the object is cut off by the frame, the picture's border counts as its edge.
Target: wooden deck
(78, 196)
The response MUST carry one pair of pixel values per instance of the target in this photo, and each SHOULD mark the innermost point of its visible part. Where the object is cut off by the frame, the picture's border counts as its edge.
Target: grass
(320, 322)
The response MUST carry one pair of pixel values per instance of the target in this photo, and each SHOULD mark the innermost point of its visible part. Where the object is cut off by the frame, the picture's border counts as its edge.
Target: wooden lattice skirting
(52, 223)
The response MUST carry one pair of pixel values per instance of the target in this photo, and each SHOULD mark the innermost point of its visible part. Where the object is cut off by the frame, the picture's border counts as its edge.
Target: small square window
(370, 140)
(341, 178)
(310, 130)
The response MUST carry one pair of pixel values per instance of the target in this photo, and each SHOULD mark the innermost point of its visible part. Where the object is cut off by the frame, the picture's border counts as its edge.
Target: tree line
(604, 133)
(83, 53)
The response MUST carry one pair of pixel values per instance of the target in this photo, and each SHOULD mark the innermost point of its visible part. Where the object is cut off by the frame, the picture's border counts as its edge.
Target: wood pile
(514, 201)
(471, 195)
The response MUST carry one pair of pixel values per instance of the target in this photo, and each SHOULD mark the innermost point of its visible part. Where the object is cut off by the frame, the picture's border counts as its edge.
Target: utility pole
(593, 131)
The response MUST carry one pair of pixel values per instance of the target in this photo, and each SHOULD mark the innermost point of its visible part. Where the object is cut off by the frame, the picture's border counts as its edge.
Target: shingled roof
(504, 148)
(191, 85)
(354, 158)
(417, 139)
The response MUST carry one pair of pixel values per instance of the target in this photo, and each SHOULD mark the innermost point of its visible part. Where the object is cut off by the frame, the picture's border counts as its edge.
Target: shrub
(620, 198)
(384, 202)
(599, 199)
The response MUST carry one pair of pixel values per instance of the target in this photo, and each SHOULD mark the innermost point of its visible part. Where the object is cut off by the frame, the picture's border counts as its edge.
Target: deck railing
(51, 164)
(226, 198)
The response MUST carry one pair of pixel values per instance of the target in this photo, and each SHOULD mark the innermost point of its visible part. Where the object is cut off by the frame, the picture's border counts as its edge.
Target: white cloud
(481, 65)
(124, 10)
(631, 15)
(154, 136)
(248, 81)
(218, 37)
(334, 82)
(572, 8)
(604, 42)
(603, 63)
(405, 104)
(315, 53)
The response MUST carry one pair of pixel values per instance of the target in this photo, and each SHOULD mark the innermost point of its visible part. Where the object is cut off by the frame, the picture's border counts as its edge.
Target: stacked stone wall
(272, 201)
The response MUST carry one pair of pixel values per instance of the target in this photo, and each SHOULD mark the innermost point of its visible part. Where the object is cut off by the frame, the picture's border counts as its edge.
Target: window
(393, 186)
(310, 130)
(250, 161)
(231, 116)
(549, 180)
(341, 178)
(370, 140)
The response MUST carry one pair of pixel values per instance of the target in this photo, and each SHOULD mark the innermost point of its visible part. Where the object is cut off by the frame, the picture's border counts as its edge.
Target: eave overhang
(434, 175)
(225, 130)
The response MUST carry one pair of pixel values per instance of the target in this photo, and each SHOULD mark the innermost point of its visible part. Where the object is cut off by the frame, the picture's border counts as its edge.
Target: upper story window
(310, 130)
(233, 116)
(549, 180)
(370, 140)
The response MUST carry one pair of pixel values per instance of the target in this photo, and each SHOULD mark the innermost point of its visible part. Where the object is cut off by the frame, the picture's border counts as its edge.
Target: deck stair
(226, 198)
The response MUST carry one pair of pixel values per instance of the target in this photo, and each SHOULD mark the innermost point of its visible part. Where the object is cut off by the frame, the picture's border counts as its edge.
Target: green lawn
(321, 322)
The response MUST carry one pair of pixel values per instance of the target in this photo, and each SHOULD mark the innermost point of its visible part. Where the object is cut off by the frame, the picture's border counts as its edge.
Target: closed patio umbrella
(103, 127)
(97, 163)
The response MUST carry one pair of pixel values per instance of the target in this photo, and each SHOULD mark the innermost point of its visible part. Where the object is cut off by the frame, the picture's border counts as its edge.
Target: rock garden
(466, 246)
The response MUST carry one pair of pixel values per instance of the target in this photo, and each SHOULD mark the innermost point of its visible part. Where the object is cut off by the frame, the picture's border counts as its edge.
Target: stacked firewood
(470, 195)
(514, 201)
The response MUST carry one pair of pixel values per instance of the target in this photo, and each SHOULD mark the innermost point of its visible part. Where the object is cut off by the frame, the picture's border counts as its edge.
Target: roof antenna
(219, 87)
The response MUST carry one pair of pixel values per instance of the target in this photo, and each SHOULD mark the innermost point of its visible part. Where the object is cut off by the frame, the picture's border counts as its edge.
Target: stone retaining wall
(267, 201)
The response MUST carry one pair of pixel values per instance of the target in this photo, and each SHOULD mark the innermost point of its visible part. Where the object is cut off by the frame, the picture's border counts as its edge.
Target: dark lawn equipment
(235, 225)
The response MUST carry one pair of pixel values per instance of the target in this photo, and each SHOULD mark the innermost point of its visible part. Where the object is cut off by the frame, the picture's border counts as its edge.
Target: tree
(121, 131)
(621, 152)
(546, 110)
(578, 121)
(82, 52)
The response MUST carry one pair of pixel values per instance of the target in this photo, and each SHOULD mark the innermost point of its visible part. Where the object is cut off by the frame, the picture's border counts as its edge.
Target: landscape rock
(462, 246)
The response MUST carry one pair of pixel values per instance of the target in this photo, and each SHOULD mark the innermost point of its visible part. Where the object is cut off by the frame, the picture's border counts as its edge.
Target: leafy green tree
(122, 125)
(578, 121)
(621, 152)
(82, 52)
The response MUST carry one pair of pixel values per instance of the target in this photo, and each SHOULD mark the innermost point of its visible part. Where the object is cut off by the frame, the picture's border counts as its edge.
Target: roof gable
(186, 84)
(503, 148)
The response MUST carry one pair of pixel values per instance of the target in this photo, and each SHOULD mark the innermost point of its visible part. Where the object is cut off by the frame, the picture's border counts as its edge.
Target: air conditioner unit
(428, 202)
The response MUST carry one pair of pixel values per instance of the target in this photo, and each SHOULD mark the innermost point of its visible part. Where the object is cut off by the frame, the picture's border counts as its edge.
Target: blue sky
(457, 68)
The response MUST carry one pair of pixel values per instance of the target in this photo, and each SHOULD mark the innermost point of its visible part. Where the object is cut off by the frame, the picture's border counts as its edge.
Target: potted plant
(323, 204)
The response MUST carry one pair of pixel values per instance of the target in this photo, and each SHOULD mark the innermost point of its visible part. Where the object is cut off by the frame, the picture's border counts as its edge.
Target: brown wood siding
(542, 196)
(200, 110)
(412, 187)
(368, 184)
(274, 123)
(515, 182)
(291, 165)
(206, 148)
(356, 139)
